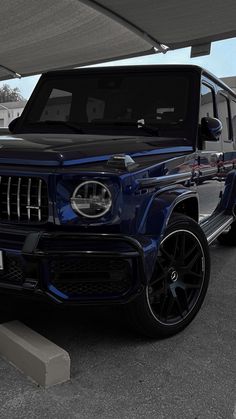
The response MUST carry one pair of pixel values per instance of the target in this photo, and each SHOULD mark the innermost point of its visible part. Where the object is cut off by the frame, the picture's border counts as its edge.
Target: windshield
(98, 101)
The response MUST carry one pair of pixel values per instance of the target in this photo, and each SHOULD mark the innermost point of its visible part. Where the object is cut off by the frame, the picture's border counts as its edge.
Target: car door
(224, 114)
(210, 158)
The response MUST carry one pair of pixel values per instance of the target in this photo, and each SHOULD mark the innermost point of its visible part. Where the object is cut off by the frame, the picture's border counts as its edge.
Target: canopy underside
(37, 36)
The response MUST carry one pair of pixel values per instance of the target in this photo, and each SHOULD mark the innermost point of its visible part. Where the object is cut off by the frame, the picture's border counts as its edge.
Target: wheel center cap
(173, 275)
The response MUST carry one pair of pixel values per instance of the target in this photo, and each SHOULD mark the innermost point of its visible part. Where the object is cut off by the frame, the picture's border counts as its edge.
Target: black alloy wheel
(178, 278)
(179, 282)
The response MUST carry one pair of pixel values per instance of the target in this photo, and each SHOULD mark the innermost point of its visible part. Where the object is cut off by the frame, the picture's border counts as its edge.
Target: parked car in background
(113, 184)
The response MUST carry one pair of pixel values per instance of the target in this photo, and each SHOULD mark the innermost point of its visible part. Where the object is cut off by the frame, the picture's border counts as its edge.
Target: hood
(67, 150)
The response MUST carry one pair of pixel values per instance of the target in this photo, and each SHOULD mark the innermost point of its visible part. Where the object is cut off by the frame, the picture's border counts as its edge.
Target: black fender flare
(160, 208)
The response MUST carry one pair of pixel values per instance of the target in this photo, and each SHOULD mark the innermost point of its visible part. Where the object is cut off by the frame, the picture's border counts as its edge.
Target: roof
(141, 68)
(37, 36)
(13, 105)
(128, 68)
(230, 81)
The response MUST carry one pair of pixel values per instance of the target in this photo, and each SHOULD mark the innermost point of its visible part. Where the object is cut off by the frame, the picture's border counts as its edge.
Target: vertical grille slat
(9, 198)
(23, 199)
(18, 198)
(39, 199)
(29, 198)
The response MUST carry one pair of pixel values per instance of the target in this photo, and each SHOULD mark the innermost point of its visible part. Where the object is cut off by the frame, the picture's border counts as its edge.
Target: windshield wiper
(140, 124)
(73, 125)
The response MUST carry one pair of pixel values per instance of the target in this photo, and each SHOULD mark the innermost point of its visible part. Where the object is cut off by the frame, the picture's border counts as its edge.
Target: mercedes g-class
(113, 183)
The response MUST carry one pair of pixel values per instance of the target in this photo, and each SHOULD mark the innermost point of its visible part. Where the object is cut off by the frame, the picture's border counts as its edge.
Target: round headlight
(91, 199)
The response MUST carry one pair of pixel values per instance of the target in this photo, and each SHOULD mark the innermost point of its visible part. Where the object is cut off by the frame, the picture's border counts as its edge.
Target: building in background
(10, 111)
(230, 81)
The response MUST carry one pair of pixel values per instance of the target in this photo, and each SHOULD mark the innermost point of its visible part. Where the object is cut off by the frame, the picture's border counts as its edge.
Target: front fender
(160, 208)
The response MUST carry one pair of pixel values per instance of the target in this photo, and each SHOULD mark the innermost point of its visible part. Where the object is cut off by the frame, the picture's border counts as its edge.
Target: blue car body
(50, 251)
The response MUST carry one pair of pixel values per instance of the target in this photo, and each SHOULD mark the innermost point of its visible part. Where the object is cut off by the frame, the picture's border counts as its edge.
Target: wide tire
(179, 283)
(228, 238)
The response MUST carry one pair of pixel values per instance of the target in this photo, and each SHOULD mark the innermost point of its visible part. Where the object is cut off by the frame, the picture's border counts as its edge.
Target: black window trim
(230, 128)
(231, 118)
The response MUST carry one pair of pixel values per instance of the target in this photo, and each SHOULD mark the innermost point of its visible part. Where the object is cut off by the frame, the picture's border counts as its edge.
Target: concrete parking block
(43, 361)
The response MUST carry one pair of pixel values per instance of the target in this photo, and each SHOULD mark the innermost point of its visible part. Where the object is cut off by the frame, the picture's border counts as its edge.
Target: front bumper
(75, 268)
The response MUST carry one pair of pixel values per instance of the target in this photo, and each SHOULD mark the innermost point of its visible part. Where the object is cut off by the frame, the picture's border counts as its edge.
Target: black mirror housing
(211, 129)
(13, 124)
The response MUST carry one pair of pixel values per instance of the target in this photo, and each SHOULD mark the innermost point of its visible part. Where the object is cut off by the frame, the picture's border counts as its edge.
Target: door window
(224, 116)
(207, 103)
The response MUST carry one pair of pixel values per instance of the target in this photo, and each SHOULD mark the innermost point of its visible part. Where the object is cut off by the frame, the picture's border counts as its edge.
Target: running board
(215, 225)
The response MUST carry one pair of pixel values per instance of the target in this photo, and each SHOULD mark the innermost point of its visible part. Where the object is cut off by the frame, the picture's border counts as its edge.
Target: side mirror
(13, 124)
(211, 129)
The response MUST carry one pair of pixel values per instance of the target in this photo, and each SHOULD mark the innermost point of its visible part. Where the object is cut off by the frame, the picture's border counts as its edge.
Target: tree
(7, 94)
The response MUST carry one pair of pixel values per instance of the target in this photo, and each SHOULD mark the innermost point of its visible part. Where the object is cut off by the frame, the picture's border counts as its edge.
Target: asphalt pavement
(117, 374)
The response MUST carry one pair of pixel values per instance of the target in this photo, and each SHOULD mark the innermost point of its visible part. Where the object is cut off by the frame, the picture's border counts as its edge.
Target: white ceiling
(41, 35)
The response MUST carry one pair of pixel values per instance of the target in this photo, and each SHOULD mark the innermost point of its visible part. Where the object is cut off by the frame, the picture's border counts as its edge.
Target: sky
(221, 62)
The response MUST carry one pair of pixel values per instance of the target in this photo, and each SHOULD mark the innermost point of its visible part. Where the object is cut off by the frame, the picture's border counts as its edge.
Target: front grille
(23, 199)
(13, 271)
(91, 277)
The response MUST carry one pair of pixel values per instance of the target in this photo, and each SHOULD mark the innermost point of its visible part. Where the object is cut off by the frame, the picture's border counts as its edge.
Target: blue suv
(113, 183)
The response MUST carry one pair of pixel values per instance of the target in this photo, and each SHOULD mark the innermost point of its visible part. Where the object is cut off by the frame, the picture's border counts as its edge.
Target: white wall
(6, 116)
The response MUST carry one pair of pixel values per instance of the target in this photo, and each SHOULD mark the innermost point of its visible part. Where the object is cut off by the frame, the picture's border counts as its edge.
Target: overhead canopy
(41, 35)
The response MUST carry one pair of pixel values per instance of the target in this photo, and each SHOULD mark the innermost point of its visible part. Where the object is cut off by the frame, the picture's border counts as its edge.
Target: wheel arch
(164, 204)
(188, 206)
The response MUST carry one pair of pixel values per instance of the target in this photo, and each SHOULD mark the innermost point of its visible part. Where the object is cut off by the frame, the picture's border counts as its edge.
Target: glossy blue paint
(141, 214)
(166, 150)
